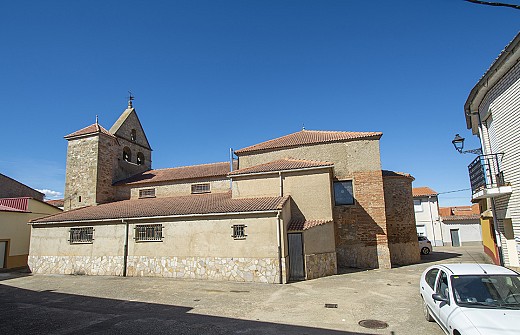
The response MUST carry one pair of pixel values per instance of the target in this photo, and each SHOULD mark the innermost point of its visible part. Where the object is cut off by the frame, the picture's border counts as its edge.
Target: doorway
(3, 254)
(296, 261)
(455, 239)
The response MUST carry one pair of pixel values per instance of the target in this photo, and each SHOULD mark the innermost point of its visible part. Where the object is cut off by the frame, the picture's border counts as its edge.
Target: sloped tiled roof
(388, 173)
(299, 225)
(15, 204)
(172, 206)
(460, 217)
(305, 137)
(4, 208)
(281, 165)
(179, 173)
(92, 129)
(423, 192)
(457, 213)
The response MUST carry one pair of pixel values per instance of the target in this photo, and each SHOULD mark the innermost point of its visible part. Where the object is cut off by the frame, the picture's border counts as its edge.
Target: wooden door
(296, 261)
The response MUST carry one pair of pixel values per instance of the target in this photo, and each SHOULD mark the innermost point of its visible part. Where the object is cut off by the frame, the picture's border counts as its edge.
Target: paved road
(53, 304)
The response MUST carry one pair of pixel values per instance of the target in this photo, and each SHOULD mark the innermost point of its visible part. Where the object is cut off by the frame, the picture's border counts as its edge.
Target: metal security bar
(239, 231)
(147, 193)
(484, 172)
(200, 188)
(81, 235)
(152, 232)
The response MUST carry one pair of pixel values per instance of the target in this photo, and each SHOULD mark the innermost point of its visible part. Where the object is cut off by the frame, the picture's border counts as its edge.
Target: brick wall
(361, 239)
(400, 220)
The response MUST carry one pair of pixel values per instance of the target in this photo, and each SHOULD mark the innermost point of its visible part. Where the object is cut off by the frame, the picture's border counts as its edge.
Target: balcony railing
(485, 173)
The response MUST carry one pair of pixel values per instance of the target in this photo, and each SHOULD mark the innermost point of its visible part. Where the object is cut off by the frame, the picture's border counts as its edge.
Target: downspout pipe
(125, 250)
(279, 233)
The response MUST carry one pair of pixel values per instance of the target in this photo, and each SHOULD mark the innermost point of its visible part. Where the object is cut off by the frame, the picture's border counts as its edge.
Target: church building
(291, 208)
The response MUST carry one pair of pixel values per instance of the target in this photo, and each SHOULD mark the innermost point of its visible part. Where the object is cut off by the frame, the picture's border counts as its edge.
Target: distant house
(19, 204)
(492, 112)
(426, 207)
(59, 203)
(461, 225)
(290, 208)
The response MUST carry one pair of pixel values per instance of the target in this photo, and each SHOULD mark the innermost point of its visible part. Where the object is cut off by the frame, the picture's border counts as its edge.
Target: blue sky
(210, 75)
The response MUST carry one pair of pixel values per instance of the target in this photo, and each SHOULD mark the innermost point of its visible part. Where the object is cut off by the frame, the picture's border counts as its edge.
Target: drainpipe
(431, 219)
(279, 233)
(497, 233)
(281, 183)
(230, 167)
(125, 250)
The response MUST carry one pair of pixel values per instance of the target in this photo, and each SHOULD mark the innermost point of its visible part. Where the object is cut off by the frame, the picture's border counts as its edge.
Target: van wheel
(426, 312)
(425, 251)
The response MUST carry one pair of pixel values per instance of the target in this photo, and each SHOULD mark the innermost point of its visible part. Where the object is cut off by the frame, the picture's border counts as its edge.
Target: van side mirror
(438, 297)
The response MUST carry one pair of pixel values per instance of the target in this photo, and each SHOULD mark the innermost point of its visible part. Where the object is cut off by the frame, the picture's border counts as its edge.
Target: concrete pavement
(56, 304)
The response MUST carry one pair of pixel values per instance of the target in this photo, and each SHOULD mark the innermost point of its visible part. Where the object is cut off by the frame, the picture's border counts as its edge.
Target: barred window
(239, 231)
(200, 188)
(151, 232)
(81, 235)
(147, 193)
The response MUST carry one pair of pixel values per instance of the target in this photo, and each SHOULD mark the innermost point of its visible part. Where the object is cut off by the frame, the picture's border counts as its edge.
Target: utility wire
(465, 189)
(497, 4)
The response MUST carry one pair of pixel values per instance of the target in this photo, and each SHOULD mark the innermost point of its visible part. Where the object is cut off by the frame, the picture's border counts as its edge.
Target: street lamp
(458, 143)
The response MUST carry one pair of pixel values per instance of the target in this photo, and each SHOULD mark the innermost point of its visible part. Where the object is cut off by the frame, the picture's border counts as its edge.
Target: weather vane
(130, 98)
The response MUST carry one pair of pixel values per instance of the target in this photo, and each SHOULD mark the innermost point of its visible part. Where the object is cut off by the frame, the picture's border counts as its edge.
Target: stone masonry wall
(361, 236)
(264, 270)
(320, 265)
(400, 219)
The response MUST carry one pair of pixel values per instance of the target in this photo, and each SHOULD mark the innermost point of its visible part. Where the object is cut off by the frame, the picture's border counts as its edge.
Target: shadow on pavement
(436, 256)
(46, 312)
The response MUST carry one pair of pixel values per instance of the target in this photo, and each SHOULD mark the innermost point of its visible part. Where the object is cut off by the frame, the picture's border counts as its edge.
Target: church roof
(198, 204)
(126, 115)
(95, 128)
(179, 173)
(305, 137)
(281, 165)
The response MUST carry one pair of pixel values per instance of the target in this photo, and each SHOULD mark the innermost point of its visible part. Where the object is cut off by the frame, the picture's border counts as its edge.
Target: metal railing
(484, 172)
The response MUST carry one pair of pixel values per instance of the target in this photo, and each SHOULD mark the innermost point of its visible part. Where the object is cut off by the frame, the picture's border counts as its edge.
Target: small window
(81, 235)
(147, 193)
(431, 276)
(79, 198)
(239, 231)
(200, 188)
(343, 193)
(133, 135)
(151, 232)
(140, 158)
(417, 205)
(127, 154)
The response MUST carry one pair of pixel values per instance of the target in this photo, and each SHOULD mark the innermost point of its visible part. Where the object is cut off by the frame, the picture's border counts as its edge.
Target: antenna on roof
(130, 98)
(97, 119)
(470, 255)
(303, 126)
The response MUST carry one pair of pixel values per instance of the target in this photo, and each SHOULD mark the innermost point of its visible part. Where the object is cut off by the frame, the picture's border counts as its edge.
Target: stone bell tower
(97, 158)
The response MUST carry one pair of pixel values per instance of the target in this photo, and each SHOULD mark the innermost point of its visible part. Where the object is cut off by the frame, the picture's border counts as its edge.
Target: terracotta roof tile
(388, 173)
(305, 137)
(423, 192)
(299, 225)
(92, 129)
(445, 211)
(173, 206)
(179, 173)
(15, 204)
(460, 217)
(4, 208)
(56, 203)
(281, 165)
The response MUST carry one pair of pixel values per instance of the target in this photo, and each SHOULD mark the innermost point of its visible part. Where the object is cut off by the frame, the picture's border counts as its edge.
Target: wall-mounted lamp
(458, 143)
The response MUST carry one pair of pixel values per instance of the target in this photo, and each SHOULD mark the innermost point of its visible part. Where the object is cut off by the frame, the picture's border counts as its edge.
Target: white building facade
(492, 112)
(426, 207)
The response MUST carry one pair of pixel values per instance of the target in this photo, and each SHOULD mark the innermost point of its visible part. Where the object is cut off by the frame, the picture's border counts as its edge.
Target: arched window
(127, 154)
(133, 135)
(140, 158)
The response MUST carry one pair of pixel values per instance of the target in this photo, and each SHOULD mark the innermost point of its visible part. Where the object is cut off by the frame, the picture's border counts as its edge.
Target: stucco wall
(348, 157)
(310, 191)
(171, 189)
(469, 231)
(15, 230)
(319, 239)
(428, 218)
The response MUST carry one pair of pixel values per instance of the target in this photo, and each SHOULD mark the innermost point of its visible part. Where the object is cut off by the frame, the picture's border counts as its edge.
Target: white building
(426, 206)
(492, 112)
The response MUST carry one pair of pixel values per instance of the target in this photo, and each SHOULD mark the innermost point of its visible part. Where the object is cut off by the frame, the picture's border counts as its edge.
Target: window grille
(239, 231)
(152, 232)
(81, 235)
(200, 188)
(147, 193)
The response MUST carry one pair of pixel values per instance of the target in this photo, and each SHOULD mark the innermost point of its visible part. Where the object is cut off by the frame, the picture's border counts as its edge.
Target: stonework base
(320, 265)
(404, 253)
(265, 270)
